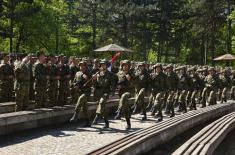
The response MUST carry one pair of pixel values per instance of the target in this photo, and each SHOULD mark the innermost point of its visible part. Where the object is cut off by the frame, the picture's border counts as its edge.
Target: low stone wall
(22, 120)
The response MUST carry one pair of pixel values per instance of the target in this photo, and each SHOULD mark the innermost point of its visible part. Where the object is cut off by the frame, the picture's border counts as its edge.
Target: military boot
(184, 107)
(160, 118)
(106, 123)
(128, 121)
(144, 116)
(172, 113)
(75, 117)
(87, 123)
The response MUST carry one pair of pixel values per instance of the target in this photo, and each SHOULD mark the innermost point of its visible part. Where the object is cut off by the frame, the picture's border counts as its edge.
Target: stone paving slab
(69, 139)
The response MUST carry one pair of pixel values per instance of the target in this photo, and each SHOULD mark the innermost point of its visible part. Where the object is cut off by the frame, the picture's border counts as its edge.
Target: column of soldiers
(56, 81)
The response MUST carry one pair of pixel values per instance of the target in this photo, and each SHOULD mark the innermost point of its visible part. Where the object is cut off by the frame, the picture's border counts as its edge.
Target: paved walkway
(69, 139)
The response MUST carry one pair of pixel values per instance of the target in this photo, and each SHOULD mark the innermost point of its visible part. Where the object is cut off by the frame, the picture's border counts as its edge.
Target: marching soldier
(83, 88)
(211, 86)
(232, 92)
(226, 83)
(160, 86)
(196, 86)
(22, 73)
(125, 88)
(142, 87)
(41, 77)
(74, 68)
(184, 87)
(173, 80)
(103, 81)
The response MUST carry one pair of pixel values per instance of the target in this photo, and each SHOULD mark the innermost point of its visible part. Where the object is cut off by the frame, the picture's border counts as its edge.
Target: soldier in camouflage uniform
(160, 86)
(41, 77)
(31, 63)
(103, 81)
(226, 83)
(232, 91)
(196, 86)
(173, 80)
(22, 73)
(83, 88)
(125, 89)
(74, 68)
(184, 87)
(6, 80)
(53, 82)
(64, 88)
(142, 87)
(211, 86)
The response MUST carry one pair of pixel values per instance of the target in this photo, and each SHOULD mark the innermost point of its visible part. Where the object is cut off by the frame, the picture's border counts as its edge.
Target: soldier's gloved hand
(95, 76)
(128, 77)
(85, 77)
(47, 77)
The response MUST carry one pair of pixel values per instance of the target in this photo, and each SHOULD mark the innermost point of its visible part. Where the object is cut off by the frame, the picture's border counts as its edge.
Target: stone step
(145, 140)
(208, 139)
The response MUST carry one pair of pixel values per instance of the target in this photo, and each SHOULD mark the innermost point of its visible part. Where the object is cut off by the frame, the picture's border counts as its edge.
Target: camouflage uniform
(40, 85)
(84, 91)
(64, 88)
(31, 89)
(226, 83)
(160, 86)
(22, 73)
(142, 87)
(6, 82)
(196, 86)
(73, 70)
(211, 86)
(173, 80)
(104, 85)
(125, 89)
(185, 82)
(52, 90)
(232, 92)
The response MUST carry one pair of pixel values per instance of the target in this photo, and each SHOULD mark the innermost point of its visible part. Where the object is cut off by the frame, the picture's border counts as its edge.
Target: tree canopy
(180, 31)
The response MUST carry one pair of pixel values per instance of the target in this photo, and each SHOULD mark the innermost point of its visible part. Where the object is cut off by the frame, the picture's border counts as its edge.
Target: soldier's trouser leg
(158, 103)
(193, 100)
(101, 111)
(224, 95)
(22, 98)
(126, 109)
(232, 93)
(52, 97)
(170, 102)
(139, 101)
(182, 100)
(40, 97)
(212, 98)
(188, 98)
(81, 105)
(150, 102)
(203, 98)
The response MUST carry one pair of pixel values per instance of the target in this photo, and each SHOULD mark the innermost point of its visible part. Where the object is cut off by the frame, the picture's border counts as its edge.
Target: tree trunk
(229, 31)
(94, 25)
(12, 8)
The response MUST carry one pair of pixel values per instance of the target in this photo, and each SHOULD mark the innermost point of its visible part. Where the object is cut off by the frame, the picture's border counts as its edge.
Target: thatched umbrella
(228, 58)
(113, 48)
